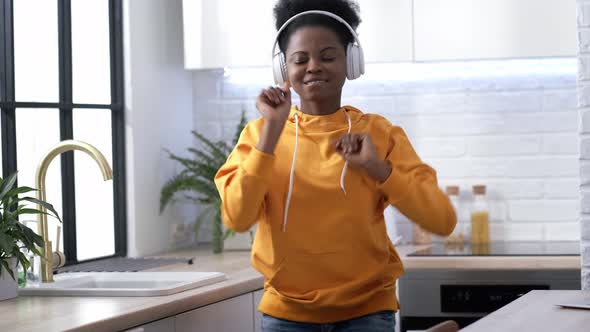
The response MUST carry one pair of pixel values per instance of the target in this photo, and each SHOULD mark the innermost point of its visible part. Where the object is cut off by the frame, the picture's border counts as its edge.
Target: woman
(316, 179)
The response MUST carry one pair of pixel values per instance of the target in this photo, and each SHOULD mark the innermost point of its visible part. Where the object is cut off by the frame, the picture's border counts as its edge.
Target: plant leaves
(207, 158)
(24, 262)
(196, 167)
(223, 146)
(15, 237)
(213, 148)
(198, 176)
(185, 183)
(30, 211)
(17, 191)
(30, 236)
(43, 204)
(7, 184)
(6, 242)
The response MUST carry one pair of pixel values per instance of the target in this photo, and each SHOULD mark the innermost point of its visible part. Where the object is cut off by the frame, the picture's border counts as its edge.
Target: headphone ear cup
(283, 68)
(355, 62)
(279, 68)
(361, 60)
(349, 62)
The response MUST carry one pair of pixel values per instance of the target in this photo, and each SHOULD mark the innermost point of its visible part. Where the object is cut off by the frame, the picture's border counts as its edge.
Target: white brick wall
(584, 138)
(516, 132)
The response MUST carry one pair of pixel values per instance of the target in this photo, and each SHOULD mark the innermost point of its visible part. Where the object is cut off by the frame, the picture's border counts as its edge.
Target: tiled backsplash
(512, 125)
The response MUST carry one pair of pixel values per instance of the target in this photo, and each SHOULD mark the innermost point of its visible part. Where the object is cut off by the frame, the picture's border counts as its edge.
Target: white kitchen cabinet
(224, 33)
(162, 325)
(257, 296)
(231, 315)
(489, 29)
(386, 30)
(237, 33)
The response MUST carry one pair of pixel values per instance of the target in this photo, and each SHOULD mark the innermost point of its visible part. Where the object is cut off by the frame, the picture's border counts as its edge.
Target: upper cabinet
(385, 31)
(223, 33)
(492, 29)
(237, 33)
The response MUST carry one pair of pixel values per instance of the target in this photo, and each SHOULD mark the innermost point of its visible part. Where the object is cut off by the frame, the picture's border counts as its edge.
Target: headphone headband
(319, 12)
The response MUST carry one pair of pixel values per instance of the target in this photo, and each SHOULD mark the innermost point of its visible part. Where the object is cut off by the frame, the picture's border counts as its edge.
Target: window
(61, 78)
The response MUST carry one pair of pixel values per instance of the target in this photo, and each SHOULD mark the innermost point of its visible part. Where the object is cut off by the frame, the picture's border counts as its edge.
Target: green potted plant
(16, 238)
(196, 180)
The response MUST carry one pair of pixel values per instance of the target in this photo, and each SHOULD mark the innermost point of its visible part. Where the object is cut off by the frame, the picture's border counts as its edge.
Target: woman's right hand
(274, 104)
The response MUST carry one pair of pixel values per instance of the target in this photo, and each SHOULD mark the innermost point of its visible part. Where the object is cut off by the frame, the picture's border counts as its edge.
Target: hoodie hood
(325, 123)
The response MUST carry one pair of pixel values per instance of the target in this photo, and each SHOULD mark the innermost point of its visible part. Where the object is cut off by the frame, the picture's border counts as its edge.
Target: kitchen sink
(122, 283)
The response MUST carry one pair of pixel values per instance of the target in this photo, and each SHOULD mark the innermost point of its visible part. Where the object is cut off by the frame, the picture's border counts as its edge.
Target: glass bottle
(456, 237)
(480, 217)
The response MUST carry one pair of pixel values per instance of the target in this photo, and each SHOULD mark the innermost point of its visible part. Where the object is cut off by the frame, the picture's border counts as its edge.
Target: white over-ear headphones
(355, 59)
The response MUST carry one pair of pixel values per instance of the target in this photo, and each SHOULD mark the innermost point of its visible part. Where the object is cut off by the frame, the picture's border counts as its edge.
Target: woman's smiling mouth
(314, 82)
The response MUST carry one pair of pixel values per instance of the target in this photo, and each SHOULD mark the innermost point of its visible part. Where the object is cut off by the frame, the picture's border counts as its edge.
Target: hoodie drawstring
(292, 174)
(290, 192)
(345, 163)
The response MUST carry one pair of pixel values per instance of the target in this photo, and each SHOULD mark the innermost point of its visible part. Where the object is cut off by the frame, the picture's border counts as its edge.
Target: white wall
(509, 124)
(584, 131)
(158, 115)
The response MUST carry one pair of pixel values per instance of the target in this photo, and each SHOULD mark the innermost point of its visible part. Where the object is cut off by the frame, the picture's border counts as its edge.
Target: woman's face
(316, 63)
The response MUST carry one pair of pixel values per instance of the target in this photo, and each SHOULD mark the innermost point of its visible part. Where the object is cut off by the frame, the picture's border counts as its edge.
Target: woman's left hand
(358, 149)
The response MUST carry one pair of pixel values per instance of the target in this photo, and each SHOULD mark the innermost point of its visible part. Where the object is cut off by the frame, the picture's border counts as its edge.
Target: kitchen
(507, 110)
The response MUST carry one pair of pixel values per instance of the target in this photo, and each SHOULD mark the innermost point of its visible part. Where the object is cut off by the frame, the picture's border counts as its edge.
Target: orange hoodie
(329, 258)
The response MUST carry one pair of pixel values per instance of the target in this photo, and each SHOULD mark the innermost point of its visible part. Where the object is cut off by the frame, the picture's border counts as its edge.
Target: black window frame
(8, 105)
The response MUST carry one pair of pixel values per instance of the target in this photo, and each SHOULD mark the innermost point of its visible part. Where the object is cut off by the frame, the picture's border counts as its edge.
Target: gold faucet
(64, 146)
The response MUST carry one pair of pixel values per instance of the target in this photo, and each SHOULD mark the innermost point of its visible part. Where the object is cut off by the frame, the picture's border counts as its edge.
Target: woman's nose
(313, 65)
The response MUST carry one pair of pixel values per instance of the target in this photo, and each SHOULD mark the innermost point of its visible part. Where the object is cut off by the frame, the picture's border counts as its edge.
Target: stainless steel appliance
(429, 296)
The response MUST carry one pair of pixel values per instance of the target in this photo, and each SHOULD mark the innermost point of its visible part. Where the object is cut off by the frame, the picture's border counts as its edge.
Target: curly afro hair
(346, 9)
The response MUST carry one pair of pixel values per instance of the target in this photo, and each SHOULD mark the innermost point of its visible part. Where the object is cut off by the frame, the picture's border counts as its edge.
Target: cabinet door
(257, 314)
(227, 33)
(162, 325)
(386, 30)
(231, 315)
(487, 29)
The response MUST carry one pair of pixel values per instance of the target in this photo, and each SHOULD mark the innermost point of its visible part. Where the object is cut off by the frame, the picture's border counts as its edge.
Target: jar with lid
(456, 237)
(480, 216)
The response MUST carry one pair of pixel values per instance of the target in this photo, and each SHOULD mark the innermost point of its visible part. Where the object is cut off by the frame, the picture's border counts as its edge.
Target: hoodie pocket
(326, 279)
(288, 284)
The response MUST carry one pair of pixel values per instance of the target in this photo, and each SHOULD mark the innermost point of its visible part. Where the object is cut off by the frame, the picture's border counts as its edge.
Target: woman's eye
(328, 59)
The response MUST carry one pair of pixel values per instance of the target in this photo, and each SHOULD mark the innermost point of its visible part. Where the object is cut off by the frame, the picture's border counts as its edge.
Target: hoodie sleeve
(243, 181)
(413, 189)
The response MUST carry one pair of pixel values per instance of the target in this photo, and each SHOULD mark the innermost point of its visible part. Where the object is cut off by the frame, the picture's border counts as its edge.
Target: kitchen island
(537, 311)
